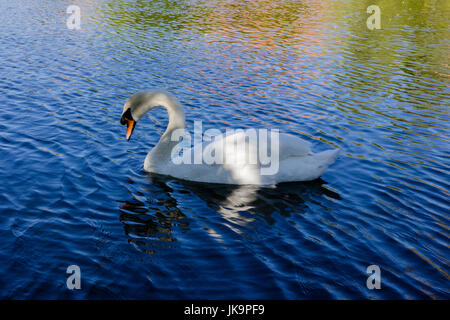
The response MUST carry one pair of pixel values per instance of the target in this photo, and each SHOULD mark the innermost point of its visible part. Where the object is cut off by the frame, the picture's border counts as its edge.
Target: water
(73, 190)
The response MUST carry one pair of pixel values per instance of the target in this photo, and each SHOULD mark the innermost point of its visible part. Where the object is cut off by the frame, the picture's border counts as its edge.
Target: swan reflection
(154, 212)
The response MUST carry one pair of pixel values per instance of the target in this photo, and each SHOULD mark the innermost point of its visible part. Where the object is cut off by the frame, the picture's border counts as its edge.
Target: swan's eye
(126, 116)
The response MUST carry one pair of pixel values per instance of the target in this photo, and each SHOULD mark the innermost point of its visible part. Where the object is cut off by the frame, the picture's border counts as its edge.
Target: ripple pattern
(74, 191)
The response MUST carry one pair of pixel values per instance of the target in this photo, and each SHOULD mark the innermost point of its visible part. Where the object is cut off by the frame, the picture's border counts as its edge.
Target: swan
(294, 162)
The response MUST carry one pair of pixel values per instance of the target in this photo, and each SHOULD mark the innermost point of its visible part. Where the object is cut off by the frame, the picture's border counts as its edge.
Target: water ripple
(73, 190)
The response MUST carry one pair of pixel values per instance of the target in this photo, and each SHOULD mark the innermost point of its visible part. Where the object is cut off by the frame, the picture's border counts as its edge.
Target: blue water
(73, 190)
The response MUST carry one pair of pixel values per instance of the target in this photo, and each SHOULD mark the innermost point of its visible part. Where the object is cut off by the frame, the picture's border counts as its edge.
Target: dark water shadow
(149, 219)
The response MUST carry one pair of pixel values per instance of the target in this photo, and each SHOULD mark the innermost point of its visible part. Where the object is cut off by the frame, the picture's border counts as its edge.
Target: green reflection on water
(406, 61)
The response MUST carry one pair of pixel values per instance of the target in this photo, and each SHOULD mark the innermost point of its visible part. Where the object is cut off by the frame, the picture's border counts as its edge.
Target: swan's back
(295, 161)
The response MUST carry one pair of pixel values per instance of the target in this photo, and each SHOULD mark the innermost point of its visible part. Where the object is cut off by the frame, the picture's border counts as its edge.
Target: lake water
(73, 191)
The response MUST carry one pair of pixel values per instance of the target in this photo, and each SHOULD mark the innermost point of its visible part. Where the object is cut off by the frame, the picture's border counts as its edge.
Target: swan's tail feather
(326, 158)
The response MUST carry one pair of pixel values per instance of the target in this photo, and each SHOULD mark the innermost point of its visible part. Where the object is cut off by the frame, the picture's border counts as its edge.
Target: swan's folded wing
(243, 144)
(292, 146)
(232, 148)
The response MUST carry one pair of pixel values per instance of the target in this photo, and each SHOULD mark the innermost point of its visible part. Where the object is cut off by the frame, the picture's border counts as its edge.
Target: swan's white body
(296, 162)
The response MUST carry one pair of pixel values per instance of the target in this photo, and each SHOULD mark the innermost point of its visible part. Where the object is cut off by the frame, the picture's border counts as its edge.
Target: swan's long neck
(162, 151)
(176, 119)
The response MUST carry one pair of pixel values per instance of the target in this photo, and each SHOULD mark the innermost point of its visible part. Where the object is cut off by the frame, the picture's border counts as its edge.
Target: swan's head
(140, 103)
(133, 111)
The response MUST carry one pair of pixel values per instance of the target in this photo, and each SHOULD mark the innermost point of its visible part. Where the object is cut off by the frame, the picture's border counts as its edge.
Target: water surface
(73, 190)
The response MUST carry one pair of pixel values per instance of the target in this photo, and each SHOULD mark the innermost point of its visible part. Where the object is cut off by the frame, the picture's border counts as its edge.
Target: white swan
(296, 162)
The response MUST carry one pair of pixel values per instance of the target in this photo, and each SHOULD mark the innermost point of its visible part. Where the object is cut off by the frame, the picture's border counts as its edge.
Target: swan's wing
(233, 148)
(240, 158)
(245, 144)
(292, 146)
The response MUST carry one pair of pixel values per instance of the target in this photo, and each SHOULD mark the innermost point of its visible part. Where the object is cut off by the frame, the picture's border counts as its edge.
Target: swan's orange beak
(130, 127)
(127, 118)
